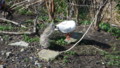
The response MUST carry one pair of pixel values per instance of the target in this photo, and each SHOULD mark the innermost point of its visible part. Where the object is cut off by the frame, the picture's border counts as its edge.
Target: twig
(18, 3)
(98, 49)
(13, 22)
(16, 33)
(32, 3)
(20, 33)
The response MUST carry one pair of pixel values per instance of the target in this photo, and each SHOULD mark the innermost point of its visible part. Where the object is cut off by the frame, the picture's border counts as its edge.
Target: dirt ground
(88, 54)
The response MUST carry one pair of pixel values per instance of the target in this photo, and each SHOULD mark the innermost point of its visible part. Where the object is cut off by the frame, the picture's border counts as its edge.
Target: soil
(87, 54)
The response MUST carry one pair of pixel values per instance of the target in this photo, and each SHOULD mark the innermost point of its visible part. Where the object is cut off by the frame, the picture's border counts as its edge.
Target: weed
(86, 22)
(5, 37)
(114, 30)
(22, 11)
(29, 12)
(104, 26)
(28, 39)
(41, 26)
(65, 59)
(71, 53)
(67, 56)
(60, 42)
(25, 11)
(113, 60)
(6, 27)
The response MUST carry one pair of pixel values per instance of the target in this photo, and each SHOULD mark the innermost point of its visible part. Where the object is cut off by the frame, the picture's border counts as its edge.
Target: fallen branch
(16, 33)
(18, 3)
(20, 33)
(13, 22)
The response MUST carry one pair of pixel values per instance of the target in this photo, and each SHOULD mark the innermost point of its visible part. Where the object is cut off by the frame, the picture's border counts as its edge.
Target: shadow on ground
(93, 42)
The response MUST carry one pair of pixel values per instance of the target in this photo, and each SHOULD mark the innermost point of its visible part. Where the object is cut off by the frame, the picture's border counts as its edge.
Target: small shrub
(71, 53)
(6, 27)
(60, 42)
(113, 60)
(29, 39)
(65, 59)
(104, 26)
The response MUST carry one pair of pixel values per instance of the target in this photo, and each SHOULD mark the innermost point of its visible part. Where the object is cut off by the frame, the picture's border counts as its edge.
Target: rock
(8, 54)
(2, 52)
(1, 39)
(48, 54)
(75, 36)
(38, 64)
(20, 43)
(1, 66)
(22, 50)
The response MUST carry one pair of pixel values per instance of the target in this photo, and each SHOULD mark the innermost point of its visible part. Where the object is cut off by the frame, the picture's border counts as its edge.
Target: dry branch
(13, 22)
(26, 32)
(16, 33)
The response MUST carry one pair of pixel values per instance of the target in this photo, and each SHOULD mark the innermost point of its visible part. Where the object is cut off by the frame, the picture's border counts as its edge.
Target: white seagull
(66, 27)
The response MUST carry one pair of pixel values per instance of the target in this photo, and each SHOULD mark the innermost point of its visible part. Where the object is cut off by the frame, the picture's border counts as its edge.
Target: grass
(85, 22)
(112, 60)
(113, 30)
(5, 27)
(30, 39)
(60, 42)
(23, 11)
(41, 26)
(68, 55)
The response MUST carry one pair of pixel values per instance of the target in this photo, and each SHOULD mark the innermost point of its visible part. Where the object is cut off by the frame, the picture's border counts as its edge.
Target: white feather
(66, 26)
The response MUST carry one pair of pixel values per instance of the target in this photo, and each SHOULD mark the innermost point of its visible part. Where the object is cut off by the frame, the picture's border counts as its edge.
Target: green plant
(41, 26)
(24, 11)
(60, 42)
(104, 26)
(29, 21)
(65, 59)
(6, 27)
(86, 22)
(71, 53)
(113, 60)
(29, 39)
(118, 5)
(115, 31)
(29, 12)
(5, 37)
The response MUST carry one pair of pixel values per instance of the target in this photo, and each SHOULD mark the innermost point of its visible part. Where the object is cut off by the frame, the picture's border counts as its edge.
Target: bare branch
(16, 33)
(13, 22)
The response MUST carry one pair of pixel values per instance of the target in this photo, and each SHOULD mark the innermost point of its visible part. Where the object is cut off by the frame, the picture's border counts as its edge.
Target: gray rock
(1, 66)
(38, 64)
(20, 43)
(74, 37)
(8, 54)
(48, 54)
(1, 39)
(22, 50)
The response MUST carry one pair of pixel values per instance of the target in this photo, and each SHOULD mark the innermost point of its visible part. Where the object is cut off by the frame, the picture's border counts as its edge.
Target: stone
(8, 54)
(22, 50)
(38, 64)
(1, 66)
(47, 55)
(74, 37)
(20, 43)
